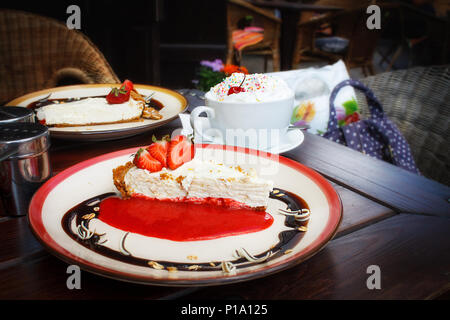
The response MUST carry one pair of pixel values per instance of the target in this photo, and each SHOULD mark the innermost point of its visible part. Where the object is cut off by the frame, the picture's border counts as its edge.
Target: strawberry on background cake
(169, 170)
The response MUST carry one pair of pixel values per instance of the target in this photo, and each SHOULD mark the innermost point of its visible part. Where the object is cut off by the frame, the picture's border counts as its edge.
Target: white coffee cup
(235, 118)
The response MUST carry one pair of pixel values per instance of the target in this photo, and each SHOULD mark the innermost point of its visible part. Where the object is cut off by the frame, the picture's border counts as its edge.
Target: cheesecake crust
(119, 179)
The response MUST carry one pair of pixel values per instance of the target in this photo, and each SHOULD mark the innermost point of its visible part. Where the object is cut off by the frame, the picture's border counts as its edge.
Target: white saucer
(293, 138)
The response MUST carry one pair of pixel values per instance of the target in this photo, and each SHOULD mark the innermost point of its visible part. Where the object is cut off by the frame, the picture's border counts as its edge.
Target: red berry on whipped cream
(235, 90)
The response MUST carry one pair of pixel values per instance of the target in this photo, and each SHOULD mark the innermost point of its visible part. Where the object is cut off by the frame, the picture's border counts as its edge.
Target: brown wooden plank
(378, 180)
(359, 211)
(17, 242)
(46, 277)
(411, 251)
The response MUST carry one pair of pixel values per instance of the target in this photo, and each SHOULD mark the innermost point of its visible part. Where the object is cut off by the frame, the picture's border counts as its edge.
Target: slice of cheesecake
(196, 181)
(89, 111)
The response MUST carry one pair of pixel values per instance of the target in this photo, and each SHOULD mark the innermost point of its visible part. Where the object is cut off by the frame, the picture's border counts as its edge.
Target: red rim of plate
(39, 230)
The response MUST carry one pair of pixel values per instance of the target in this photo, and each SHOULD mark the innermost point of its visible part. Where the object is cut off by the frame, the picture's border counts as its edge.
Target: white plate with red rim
(146, 260)
(173, 102)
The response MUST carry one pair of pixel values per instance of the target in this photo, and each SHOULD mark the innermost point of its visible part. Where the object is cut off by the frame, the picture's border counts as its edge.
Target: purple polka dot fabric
(377, 136)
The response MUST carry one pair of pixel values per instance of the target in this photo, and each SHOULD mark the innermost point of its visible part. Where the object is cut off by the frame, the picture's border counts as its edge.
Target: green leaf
(208, 78)
(350, 106)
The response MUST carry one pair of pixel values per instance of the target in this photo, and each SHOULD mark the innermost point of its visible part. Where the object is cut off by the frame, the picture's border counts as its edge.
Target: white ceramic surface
(233, 118)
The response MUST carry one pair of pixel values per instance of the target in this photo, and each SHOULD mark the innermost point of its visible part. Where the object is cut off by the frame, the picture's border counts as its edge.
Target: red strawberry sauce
(181, 221)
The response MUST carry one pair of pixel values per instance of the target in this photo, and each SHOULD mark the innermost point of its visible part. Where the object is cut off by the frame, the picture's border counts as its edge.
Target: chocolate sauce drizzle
(288, 239)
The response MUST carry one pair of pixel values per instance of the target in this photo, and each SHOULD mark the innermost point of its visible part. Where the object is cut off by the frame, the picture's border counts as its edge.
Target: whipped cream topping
(89, 111)
(258, 88)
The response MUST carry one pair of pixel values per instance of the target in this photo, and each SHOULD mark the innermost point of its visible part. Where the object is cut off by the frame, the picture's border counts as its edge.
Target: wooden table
(290, 15)
(392, 219)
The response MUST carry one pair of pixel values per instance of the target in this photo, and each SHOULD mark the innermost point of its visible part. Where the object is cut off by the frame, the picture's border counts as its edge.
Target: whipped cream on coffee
(256, 88)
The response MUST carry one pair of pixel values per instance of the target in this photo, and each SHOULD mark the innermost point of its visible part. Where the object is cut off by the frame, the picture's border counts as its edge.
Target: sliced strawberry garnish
(181, 150)
(143, 160)
(179, 138)
(158, 150)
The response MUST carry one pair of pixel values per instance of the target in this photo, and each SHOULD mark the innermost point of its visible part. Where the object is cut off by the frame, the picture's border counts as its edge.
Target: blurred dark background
(161, 42)
(149, 41)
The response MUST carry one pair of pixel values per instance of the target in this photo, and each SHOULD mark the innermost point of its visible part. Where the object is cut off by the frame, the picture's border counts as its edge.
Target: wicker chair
(270, 46)
(38, 52)
(418, 101)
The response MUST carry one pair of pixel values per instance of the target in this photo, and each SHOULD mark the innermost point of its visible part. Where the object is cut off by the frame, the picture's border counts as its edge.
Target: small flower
(216, 65)
(229, 69)
(213, 72)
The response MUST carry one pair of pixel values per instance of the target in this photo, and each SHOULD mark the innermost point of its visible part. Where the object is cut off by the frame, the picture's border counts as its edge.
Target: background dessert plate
(108, 251)
(174, 104)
